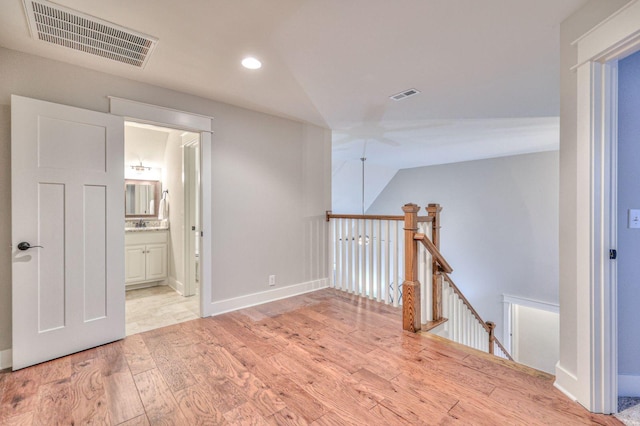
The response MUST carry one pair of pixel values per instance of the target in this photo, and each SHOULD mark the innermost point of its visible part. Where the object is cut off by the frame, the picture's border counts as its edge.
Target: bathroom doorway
(162, 215)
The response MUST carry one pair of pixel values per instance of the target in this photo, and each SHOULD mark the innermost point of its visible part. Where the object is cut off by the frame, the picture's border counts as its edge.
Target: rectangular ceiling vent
(75, 30)
(404, 94)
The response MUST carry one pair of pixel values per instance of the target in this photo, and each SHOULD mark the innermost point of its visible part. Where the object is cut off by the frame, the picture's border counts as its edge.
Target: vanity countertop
(147, 229)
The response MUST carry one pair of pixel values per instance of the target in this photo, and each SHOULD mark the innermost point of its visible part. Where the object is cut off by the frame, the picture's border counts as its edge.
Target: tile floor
(154, 307)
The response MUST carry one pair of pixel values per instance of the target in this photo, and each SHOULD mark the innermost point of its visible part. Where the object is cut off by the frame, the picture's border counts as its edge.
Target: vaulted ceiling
(488, 70)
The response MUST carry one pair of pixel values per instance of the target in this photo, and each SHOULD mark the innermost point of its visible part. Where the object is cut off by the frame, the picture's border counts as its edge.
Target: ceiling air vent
(404, 94)
(75, 30)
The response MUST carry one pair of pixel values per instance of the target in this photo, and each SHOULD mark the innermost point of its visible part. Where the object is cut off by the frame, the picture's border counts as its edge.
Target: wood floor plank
(450, 372)
(113, 358)
(468, 413)
(136, 421)
(333, 419)
(159, 404)
(137, 354)
(24, 419)
(303, 324)
(514, 400)
(349, 350)
(340, 360)
(286, 417)
(323, 358)
(54, 370)
(335, 392)
(245, 415)
(170, 364)
(88, 396)
(295, 398)
(20, 393)
(123, 399)
(199, 408)
(3, 375)
(405, 404)
(259, 341)
(337, 323)
(388, 417)
(218, 335)
(263, 398)
(54, 404)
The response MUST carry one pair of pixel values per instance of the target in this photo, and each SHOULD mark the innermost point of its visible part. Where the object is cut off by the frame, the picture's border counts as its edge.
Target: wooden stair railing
(365, 254)
(440, 270)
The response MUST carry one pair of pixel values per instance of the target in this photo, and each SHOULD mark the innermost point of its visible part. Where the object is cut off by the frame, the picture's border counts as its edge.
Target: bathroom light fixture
(140, 168)
(251, 63)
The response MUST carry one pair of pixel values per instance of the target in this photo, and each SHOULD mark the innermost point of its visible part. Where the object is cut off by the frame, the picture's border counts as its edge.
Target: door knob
(26, 246)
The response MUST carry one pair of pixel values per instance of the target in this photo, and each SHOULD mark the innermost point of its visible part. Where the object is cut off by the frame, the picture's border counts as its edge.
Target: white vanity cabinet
(145, 256)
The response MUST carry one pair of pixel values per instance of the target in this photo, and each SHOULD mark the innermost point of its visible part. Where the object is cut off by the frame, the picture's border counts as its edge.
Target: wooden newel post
(436, 284)
(411, 318)
(492, 337)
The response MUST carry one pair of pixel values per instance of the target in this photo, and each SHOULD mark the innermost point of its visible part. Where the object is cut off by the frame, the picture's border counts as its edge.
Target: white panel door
(67, 183)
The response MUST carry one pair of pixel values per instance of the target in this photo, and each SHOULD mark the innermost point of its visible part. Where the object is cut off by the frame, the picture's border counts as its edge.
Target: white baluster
(345, 254)
(354, 247)
(357, 259)
(379, 265)
(396, 265)
(350, 255)
(387, 250)
(333, 254)
(368, 266)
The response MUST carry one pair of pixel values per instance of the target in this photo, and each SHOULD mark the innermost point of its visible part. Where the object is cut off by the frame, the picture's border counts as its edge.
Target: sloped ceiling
(486, 69)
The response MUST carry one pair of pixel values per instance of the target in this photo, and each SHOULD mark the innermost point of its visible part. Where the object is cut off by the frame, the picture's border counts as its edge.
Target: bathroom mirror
(141, 198)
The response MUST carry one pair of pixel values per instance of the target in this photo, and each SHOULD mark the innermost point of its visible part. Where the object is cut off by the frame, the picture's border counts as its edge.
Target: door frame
(188, 245)
(599, 51)
(167, 117)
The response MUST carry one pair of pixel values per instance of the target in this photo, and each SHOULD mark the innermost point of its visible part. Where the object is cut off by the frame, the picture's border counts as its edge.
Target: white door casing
(191, 183)
(67, 185)
(594, 382)
(167, 117)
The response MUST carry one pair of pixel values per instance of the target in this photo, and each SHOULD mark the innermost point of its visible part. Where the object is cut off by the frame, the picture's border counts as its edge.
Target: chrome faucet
(141, 224)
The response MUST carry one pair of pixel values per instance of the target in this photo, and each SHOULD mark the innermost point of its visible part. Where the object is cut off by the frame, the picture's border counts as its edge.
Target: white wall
(271, 177)
(572, 28)
(628, 198)
(499, 224)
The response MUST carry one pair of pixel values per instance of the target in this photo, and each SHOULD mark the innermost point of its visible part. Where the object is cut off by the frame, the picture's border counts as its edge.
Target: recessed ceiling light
(251, 63)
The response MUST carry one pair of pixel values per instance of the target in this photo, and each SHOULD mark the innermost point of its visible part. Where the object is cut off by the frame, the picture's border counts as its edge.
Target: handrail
(465, 301)
(330, 215)
(484, 324)
(444, 265)
(504, 351)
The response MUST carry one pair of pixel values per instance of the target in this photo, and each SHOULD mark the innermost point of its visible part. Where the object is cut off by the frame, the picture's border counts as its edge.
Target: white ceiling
(488, 70)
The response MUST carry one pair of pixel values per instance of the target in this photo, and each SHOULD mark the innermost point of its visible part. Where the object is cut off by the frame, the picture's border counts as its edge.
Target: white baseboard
(240, 302)
(5, 359)
(566, 382)
(628, 385)
(176, 285)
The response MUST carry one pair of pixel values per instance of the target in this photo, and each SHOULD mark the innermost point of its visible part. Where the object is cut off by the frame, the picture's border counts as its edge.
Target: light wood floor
(154, 307)
(325, 358)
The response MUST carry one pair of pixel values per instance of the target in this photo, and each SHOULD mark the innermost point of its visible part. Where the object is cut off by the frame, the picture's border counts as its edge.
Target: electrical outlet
(272, 280)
